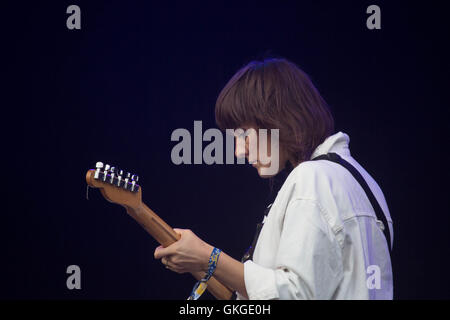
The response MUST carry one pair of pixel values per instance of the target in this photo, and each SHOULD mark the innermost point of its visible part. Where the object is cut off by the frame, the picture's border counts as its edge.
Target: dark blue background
(116, 89)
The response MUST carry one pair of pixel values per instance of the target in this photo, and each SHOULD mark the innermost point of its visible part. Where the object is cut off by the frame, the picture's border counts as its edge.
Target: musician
(321, 238)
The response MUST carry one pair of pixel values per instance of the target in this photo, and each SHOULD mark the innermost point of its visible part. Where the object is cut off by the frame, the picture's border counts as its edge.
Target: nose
(240, 147)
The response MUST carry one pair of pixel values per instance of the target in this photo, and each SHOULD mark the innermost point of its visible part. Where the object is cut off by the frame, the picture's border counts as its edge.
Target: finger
(162, 252)
(170, 265)
(156, 253)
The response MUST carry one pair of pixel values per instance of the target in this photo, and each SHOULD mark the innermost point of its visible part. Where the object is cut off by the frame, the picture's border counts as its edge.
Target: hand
(188, 254)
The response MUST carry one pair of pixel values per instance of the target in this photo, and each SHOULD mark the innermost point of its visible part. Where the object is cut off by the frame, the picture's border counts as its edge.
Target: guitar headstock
(116, 185)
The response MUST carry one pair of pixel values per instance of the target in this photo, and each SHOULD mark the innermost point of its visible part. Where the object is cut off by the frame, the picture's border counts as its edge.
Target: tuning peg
(105, 172)
(134, 180)
(127, 178)
(119, 176)
(98, 167)
(113, 174)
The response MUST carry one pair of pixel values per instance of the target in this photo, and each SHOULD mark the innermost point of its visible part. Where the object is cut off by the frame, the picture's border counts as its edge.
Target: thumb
(180, 231)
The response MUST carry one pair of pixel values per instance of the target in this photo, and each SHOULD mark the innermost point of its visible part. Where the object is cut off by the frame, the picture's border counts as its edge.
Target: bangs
(241, 100)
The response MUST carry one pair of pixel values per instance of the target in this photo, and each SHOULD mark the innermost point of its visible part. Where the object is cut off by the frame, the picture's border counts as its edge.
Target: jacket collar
(337, 143)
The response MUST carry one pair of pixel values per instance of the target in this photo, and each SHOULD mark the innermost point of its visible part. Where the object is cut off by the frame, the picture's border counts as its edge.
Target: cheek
(252, 148)
(251, 143)
(265, 149)
(252, 152)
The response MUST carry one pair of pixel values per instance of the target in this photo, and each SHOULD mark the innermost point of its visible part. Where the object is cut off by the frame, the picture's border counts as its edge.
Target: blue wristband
(201, 285)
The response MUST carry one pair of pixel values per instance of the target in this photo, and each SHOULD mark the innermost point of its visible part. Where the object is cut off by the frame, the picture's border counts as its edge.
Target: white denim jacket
(321, 238)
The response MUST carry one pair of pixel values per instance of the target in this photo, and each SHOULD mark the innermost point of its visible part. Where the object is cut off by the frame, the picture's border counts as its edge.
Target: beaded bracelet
(201, 285)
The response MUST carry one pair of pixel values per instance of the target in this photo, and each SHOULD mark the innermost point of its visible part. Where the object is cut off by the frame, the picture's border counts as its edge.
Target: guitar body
(115, 191)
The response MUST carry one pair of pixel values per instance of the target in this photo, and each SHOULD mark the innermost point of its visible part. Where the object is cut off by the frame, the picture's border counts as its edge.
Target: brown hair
(276, 94)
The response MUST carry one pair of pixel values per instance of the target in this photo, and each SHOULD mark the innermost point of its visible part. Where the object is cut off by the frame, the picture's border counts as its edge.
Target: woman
(321, 238)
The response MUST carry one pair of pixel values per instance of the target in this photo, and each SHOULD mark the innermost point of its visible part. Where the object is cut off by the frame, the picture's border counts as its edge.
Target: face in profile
(261, 149)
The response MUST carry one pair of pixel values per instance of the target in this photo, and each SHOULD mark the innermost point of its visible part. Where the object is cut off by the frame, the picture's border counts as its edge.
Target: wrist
(201, 285)
(206, 255)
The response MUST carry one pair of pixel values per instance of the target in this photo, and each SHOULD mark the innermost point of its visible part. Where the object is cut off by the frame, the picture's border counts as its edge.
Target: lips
(254, 163)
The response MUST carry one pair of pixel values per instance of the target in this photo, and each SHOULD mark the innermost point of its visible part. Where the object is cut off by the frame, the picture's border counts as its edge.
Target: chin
(263, 174)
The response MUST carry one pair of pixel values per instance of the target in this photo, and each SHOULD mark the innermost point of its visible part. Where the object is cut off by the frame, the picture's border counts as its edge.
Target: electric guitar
(123, 189)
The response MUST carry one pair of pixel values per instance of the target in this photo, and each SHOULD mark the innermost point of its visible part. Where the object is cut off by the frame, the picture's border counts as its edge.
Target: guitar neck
(165, 235)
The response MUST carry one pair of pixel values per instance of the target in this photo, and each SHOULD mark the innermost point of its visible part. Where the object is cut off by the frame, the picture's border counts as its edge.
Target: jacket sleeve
(308, 263)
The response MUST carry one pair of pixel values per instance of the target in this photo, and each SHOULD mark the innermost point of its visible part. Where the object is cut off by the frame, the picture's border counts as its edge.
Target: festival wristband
(201, 285)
